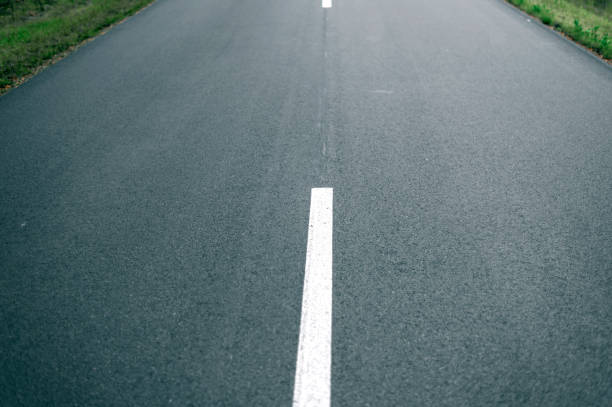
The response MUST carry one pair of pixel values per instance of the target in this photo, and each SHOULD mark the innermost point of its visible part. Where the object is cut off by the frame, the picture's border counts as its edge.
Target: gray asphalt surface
(154, 206)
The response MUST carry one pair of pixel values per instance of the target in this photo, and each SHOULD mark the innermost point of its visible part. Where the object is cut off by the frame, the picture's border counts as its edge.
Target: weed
(546, 19)
(546, 15)
(578, 30)
(592, 34)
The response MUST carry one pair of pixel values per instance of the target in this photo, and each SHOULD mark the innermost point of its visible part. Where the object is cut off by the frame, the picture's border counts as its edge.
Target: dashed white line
(326, 3)
(313, 369)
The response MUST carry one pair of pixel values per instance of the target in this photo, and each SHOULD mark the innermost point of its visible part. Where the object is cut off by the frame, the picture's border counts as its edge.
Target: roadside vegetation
(588, 22)
(32, 32)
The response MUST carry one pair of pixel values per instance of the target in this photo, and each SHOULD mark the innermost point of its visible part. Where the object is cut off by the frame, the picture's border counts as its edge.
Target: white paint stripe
(313, 370)
(326, 3)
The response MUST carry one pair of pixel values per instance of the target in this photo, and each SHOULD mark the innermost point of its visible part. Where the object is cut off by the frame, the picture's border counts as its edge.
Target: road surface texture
(154, 207)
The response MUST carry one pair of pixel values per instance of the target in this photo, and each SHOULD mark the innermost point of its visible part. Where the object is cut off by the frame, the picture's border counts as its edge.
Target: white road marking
(313, 370)
(326, 3)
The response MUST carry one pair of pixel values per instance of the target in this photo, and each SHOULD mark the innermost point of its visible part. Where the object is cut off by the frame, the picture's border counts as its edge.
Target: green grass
(588, 22)
(34, 31)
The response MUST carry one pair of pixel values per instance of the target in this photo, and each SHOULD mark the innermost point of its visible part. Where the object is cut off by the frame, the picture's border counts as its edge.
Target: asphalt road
(155, 188)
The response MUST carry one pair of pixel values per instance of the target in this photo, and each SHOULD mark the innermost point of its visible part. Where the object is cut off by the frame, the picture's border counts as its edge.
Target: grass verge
(33, 33)
(588, 22)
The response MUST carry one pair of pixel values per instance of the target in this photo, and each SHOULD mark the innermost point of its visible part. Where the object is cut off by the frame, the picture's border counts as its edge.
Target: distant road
(155, 198)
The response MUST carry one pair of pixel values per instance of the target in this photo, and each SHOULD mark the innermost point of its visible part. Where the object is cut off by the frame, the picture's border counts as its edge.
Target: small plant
(542, 12)
(578, 30)
(606, 46)
(546, 15)
(593, 33)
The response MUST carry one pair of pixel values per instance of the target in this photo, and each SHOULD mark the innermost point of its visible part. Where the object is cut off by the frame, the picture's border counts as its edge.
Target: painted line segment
(313, 369)
(326, 3)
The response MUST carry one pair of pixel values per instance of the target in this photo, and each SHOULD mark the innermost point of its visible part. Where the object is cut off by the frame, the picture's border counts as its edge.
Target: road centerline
(313, 367)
